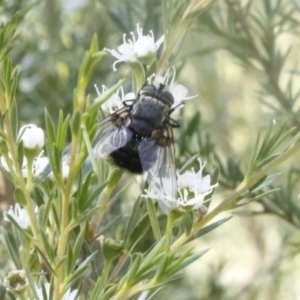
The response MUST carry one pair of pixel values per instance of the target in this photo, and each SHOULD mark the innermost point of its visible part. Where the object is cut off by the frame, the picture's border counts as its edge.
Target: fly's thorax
(158, 91)
(147, 114)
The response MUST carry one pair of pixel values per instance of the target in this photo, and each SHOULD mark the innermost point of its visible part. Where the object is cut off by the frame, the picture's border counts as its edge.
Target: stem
(140, 77)
(168, 49)
(105, 271)
(2, 101)
(231, 198)
(64, 232)
(113, 179)
(118, 266)
(139, 287)
(16, 172)
(269, 209)
(169, 228)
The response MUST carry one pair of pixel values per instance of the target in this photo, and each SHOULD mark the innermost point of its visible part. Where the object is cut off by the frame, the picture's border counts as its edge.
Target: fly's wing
(159, 162)
(115, 133)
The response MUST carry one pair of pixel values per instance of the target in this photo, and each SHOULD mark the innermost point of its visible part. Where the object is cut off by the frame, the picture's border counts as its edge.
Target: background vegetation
(241, 58)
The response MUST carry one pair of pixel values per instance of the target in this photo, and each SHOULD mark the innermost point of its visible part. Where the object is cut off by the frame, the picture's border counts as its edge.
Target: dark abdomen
(128, 158)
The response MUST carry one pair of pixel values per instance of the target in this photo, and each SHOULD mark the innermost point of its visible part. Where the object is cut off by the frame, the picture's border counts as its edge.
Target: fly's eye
(168, 97)
(148, 88)
(160, 92)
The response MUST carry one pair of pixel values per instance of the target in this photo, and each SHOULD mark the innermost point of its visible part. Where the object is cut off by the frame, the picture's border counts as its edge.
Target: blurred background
(241, 59)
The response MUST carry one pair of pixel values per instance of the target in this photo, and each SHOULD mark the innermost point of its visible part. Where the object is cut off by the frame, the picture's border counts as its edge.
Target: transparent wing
(121, 115)
(114, 134)
(112, 131)
(112, 140)
(159, 162)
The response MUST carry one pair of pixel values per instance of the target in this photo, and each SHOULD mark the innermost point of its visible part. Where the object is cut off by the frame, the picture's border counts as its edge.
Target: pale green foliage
(90, 230)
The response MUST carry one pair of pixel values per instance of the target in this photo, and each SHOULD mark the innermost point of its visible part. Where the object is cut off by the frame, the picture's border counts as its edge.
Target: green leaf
(20, 197)
(97, 291)
(32, 283)
(22, 231)
(134, 218)
(154, 256)
(50, 128)
(188, 222)
(153, 220)
(94, 44)
(214, 180)
(102, 98)
(154, 294)
(160, 273)
(77, 246)
(130, 275)
(186, 262)
(62, 132)
(83, 190)
(14, 120)
(45, 260)
(264, 182)
(258, 197)
(7, 33)
(138, 232)
(38, 196)
(12, 247)
(57, 220)
(208, 228)
(188, 163)
(75, 123)
(109, 225)
(80, 270)
(49, 248)
(84, 203)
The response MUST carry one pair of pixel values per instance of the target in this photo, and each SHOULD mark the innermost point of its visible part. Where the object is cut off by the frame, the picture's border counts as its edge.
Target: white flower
(4, 163)
(67, 296)
(24, 166)
(192, 189)
(195, 182)
(39, 290)
(19, 214)
(115, 102)
(70, 295)
(195, 202)
(65, 170)
(32, 136)
(165, 202)
(178, 91)
(40, 164)
(143, 295)
(200, 187)
(143, 49)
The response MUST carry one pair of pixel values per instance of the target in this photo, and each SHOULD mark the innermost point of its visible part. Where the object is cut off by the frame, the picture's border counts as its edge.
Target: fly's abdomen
(128, 158)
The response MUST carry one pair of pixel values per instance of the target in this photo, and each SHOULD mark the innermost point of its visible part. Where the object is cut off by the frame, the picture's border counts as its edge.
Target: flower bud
(16, 281)
(145, 49)
(110, 249)
(32, 137)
